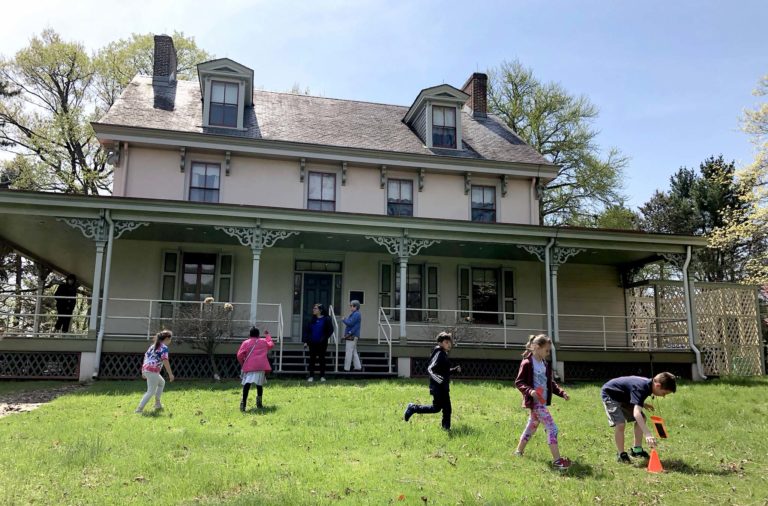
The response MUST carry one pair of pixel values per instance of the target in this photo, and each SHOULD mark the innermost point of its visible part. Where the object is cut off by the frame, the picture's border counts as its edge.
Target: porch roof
(28, 219)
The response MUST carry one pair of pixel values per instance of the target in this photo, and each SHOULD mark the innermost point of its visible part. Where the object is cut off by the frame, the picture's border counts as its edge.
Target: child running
(534, 380)
(439, 370)
(252, 356)
(154, 359)
(624, 400)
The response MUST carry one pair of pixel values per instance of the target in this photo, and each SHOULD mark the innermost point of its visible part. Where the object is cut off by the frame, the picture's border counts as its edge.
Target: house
(427, 214)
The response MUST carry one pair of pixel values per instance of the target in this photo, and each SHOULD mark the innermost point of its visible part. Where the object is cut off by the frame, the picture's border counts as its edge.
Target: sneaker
(623, 458)
(561, 463)
(518, 453)
(242, 406)
(322, 379)
(408, 412)
(158, 406)
(258, 403)
(138, 411)
(642, 454)
(310, 379)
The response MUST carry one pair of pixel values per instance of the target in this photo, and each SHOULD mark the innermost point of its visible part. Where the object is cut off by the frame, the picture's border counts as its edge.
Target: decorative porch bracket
(402, 247)
(123, 226)
(257, 239)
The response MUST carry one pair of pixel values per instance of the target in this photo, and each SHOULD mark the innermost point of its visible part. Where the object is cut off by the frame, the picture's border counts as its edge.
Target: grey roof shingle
(312, 120)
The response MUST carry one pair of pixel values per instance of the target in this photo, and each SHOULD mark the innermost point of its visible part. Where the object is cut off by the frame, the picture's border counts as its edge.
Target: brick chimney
(164, 67)
(477, 89)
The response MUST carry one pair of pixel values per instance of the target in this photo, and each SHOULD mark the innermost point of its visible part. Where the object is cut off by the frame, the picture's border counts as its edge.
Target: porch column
(558, 258)
(403, 248)
(256, 238)
(94, 229)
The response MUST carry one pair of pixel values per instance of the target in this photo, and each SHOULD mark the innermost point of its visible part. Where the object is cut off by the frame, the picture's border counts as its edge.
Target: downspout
(105, 296)
(548, 283)
(689, 312)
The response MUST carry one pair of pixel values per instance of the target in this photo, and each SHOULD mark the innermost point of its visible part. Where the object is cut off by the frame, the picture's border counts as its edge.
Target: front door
(317, 289)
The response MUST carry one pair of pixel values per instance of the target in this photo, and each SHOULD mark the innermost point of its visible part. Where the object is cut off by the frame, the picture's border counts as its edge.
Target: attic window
(224, 97)
(444, 127)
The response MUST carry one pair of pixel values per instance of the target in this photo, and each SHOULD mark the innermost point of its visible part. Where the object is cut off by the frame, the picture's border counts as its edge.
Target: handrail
(280, 330)
(388, 336)
(334, 336)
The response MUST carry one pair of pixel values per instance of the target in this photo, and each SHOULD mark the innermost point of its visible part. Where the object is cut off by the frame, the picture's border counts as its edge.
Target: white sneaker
(310, 379)
(322, 379)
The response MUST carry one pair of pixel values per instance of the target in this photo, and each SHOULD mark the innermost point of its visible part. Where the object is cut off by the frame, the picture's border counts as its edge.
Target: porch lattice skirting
(185, 366)
(39, 365)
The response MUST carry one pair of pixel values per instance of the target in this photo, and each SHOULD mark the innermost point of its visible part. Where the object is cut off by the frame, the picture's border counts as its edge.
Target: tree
(559, 126)
(614, 217)
(698, 204)
(119, 61)
(204, 325)
(746, 225)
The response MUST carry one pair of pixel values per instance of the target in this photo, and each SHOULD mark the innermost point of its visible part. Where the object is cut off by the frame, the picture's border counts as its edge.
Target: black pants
(247, 388)
(317, 352)
(62, 322)
(441, 401)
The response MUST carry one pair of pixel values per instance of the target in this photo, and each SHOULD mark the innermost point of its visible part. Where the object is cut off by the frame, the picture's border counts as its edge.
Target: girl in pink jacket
(252, 356)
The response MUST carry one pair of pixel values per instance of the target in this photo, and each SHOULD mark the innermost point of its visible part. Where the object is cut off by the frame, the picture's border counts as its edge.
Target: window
(413, 293)
(399, 197)
(444, 127)
(204, 186)
(199, 276)
(485, 295)
(223, 110)
(322, 192)
(484, 204)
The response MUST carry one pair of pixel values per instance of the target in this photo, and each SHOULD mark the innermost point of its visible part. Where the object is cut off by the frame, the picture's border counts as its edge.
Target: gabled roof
(444, 92)
(315, 120)
(224, 67)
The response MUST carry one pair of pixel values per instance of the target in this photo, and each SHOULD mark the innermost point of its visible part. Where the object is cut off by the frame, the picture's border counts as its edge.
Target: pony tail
(529, 346)
(162, 336)
(535, 340)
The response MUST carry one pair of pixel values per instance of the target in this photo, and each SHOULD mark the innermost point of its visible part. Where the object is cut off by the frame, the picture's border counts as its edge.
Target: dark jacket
(439, 370)
(327, 330)
(65, 290)
(524, 382)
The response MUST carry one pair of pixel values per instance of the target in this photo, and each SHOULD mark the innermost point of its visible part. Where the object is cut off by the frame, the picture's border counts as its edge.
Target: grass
(344, 442)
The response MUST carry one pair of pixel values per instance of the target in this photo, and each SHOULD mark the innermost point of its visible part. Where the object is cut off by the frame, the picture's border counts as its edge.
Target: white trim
(496, 198)
(414, 190)
(336, 171)
(241, 90)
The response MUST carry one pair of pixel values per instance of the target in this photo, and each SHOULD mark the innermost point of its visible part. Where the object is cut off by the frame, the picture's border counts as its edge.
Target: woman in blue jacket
(351, 336)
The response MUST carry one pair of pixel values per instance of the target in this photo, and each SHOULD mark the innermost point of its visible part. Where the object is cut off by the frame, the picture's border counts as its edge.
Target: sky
(670, 78)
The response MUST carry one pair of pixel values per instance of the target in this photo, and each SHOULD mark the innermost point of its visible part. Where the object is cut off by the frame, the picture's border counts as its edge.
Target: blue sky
(670, 78)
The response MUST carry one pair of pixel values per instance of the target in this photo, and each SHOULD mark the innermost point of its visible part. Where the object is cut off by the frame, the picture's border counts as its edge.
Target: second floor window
(204, 186)
(484, 204)
(223, 104)
(443, 127)
(321, 195)
(399, 197)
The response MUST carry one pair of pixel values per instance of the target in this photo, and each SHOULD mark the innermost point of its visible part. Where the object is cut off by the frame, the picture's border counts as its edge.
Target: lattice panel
(48, 365)
(185, 366)
(594, 371)
(728, 330)
(641, 311)
(472, 369)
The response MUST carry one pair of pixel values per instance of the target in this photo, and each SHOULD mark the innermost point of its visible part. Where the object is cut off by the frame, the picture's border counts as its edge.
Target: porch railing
(335, 336)
(507, 330)
(384, 328)
(35, 316)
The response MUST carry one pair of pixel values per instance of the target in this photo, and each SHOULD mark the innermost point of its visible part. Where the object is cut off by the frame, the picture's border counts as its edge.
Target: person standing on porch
(155, 359)
(316, 336)
(351, 336)
(534, 380)
(254, 364)
(65, 303)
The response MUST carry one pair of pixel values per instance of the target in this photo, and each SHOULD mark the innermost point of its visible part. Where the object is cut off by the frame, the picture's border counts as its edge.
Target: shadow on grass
(678, 466)
(261, 411)
(580, 471)
(738, 381)
(462, 430)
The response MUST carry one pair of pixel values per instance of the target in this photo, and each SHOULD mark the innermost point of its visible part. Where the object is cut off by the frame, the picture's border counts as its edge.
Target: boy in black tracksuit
(439, 370)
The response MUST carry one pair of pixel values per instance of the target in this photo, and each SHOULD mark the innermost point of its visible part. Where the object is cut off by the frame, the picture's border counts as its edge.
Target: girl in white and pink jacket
(252, 356)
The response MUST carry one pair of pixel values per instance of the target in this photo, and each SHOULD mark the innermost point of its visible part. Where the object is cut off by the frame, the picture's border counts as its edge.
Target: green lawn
(345, 442)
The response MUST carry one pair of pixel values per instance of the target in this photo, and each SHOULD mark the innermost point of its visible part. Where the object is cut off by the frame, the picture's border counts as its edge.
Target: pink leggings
(540, 413)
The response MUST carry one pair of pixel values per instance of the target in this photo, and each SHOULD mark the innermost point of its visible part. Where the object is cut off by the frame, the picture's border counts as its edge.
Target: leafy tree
(559, 126)
(698, 204)
(746, 225)
(119, 61)
(614, 217)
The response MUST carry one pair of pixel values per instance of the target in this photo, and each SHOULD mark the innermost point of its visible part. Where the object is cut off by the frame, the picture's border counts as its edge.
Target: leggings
(247, 388)
(155, 385)
(540, 413)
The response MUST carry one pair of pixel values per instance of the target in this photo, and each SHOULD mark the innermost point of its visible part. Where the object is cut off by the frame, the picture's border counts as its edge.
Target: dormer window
(224, 98)
(444, 127)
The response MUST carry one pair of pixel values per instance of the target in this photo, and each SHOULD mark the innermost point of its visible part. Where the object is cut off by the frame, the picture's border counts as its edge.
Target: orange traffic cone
(654, 464)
